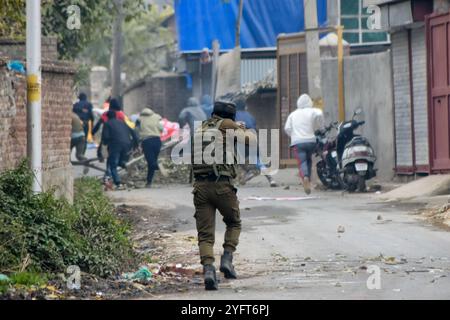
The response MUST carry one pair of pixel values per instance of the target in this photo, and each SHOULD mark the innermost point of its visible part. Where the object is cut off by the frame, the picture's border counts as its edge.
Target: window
(354, 19)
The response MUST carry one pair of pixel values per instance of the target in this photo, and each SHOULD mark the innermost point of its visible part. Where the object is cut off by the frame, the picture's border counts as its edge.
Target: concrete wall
(368, 84)
(57, 95)
(99, 90)
(135, 98)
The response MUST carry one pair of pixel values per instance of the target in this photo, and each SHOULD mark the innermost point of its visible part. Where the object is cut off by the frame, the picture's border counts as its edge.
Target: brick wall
(166, 95)
(13, 135)
(57, 94)
(16, 49)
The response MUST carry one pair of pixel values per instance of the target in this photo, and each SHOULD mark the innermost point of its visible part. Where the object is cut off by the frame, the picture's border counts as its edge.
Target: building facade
(421, 83)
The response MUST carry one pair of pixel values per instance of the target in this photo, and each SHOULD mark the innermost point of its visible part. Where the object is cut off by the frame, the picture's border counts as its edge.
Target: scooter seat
(358, 141)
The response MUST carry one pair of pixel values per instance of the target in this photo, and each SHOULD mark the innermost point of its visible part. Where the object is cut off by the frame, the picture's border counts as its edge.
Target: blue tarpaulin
(199, 22)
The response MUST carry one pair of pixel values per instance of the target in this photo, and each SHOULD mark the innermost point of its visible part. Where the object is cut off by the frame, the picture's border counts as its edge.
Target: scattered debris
(281, 198)
(375, 188)
(188, 271)
(143, 274)
(438, 215)
(438, 277)
(170, 173)
(4, 278)
(392, 260)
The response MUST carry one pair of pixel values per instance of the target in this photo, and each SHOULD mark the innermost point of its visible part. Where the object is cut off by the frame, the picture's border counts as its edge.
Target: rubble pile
(169, 173)
(439, 215)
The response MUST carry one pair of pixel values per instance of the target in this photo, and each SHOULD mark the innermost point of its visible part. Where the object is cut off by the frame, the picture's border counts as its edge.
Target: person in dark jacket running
(83, 108)
(114, 105)
(120, 139)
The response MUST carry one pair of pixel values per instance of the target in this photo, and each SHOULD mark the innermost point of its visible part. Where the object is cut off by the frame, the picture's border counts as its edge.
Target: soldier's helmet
(225, 109)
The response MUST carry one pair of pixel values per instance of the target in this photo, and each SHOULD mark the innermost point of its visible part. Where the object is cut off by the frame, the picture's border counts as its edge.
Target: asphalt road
(293, 250)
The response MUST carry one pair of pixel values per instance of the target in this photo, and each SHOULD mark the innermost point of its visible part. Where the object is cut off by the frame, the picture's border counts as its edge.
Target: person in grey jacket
(191, 114)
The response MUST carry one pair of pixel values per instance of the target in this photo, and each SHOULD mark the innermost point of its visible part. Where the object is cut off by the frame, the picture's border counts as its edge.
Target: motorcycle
(327, 167)
(356, 156)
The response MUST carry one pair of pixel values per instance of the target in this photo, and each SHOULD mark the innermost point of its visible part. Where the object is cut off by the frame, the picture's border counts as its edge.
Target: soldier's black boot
(209, 272)
(226, 265)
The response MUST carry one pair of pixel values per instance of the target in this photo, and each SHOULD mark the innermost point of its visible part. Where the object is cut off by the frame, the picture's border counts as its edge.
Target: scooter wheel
(362, 184)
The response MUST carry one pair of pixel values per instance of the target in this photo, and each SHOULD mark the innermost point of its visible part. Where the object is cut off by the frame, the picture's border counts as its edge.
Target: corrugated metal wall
(420, 94)
(253, 70)
(402, 98)
(293, 83)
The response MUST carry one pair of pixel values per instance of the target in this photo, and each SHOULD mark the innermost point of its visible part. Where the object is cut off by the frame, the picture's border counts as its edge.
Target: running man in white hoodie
(300, 126)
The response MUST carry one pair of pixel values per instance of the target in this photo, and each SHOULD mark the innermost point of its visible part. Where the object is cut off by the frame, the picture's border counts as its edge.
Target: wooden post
(117, 50)
(238, 24)
(341, 87)
(314, 69)
(215, 61)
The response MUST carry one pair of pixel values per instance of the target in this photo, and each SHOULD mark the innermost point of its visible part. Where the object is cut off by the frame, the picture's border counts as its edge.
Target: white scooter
(356, 155)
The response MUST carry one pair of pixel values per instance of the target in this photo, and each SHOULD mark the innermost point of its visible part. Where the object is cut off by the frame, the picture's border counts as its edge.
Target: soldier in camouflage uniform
(214, 190)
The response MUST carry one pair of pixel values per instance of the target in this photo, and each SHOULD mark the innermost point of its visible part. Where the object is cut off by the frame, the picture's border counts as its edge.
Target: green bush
(106, 247)
(39, 232)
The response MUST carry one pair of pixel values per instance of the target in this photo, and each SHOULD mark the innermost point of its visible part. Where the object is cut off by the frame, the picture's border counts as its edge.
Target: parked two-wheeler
(327, 165)
(355, 154)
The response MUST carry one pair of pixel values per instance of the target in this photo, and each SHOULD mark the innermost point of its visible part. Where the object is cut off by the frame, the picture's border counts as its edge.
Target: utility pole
(215, 62)
(238, 24)
(117, 49)
(34, 122)
(341, 88)
(313, 52)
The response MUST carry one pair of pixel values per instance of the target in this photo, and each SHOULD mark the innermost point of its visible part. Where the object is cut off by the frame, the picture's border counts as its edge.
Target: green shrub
(42, 233)
(106, 247)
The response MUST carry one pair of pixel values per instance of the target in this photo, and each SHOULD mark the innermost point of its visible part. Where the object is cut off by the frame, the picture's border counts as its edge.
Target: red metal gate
(438, 47)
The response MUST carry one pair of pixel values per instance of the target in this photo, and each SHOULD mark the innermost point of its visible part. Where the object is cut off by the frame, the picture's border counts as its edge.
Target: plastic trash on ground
(16, 65)
(4, 278)
(142, 274)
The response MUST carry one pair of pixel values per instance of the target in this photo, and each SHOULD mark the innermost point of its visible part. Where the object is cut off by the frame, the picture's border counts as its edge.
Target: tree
(12, 19)
(146, 44)
(96, 17)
